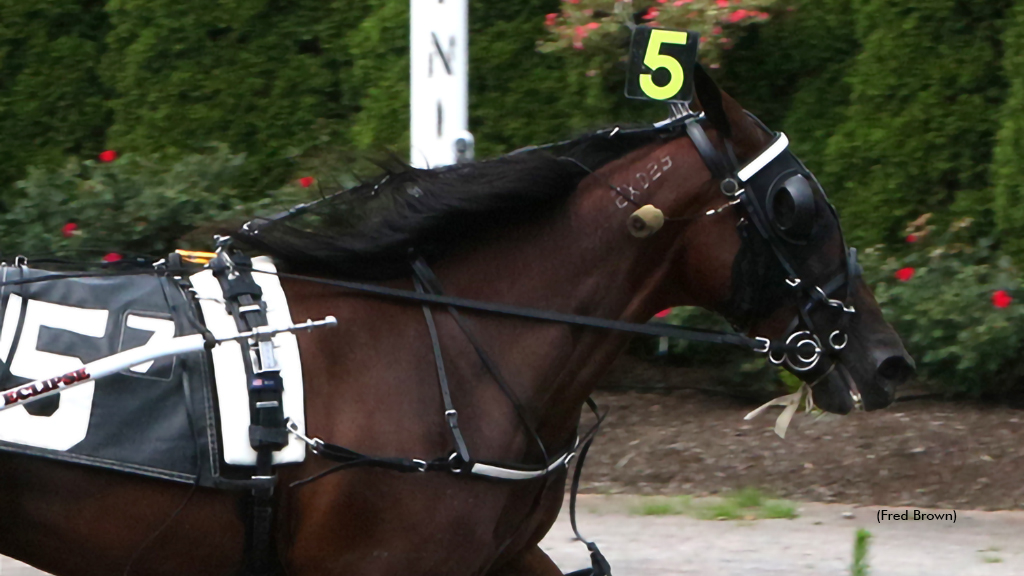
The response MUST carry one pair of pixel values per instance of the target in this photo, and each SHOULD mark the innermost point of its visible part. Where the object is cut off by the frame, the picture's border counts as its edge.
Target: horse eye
(792, 208)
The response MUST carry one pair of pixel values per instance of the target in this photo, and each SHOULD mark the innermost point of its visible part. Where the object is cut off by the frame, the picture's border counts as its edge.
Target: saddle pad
(137, 420)
(229, 371)
(168, 418)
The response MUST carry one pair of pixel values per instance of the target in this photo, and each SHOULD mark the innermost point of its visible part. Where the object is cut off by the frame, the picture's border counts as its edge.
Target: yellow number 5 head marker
(660, 64)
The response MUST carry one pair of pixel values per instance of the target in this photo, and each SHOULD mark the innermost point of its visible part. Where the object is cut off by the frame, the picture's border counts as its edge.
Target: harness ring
(831, 340)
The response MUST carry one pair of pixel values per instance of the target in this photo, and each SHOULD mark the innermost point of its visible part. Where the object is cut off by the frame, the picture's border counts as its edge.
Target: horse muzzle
(840, 392)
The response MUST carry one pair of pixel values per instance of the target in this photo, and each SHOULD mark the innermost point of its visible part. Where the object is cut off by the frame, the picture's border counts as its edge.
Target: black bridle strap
(450, 414)
(716, 164)
(648, 329)
(427, 276)
(599, 564)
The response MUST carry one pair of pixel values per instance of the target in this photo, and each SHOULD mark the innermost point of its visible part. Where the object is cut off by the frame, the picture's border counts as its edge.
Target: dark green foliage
(917, 135)
(51, 102)
(267, 78)
(379, 47)
(791, 72)
(1008, 161)
(139, 204)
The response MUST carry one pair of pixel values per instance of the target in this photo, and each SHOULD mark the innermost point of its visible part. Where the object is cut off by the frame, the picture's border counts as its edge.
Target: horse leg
(530, 562)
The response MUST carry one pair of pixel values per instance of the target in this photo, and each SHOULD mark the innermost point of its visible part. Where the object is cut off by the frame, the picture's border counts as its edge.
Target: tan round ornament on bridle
(645, 221)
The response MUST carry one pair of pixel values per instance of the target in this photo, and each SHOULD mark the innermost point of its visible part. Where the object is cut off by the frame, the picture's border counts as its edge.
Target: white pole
(439, 83)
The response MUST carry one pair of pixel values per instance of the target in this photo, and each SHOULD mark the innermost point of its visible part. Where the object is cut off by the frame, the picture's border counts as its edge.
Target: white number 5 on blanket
(69, 424)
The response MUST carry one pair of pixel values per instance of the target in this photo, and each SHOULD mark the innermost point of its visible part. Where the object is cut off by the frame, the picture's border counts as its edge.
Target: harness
(773, 181)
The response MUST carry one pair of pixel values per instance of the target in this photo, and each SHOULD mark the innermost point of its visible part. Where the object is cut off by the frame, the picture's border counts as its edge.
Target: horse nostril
(895, 368)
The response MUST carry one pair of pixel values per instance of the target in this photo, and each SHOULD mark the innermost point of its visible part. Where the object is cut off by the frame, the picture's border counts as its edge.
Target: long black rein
(760, 345)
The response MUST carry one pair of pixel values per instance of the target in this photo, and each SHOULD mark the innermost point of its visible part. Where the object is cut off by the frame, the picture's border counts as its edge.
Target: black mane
(368, 232)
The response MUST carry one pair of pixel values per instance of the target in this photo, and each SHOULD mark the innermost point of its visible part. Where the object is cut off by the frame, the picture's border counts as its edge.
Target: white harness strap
(492, 471)
(777, 147)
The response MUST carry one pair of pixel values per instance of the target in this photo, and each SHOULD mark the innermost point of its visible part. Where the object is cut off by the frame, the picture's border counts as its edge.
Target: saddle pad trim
(94, 461)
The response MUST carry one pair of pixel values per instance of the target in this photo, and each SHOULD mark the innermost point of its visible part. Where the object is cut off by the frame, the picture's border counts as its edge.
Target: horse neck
(579, 259)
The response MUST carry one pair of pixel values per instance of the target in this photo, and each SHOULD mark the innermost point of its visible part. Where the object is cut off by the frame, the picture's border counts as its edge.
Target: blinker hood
(780, 191)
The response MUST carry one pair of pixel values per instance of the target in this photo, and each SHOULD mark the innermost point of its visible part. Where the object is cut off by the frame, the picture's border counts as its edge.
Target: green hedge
(791, 73)
(52, 103)
(918, 133)
(1007, 165)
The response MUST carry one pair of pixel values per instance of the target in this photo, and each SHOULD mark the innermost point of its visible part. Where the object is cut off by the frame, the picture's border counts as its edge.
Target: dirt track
(926, 453)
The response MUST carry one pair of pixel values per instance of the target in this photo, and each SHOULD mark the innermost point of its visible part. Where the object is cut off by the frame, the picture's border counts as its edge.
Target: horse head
(765, 250)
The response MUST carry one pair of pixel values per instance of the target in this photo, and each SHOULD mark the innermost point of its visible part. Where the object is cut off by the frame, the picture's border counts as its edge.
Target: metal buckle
(452, 416)
(834, 303)
(794, 282)
(421, 465)
(767, 345)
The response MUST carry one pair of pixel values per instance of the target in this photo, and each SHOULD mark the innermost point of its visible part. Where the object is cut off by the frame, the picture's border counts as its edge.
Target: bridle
(776, 175)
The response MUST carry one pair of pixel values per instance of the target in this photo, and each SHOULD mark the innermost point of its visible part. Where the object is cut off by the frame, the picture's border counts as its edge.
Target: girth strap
(267, 434)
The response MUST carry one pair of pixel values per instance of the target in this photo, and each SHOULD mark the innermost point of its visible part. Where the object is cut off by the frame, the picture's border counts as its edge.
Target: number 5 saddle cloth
(183, 418)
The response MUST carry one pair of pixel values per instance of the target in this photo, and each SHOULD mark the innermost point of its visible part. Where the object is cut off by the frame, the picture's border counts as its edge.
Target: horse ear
(710, 97)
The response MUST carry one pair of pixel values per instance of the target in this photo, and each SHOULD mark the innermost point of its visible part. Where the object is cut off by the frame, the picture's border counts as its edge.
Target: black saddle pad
(154, 419)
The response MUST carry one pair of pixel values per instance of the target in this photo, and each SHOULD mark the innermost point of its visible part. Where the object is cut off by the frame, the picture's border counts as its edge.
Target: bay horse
(544, 228)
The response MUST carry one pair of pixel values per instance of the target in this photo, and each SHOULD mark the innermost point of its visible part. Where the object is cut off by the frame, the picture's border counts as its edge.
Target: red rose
(738, 15)
(68, 230)
(108, 156)
(112, 257)
(904, 274)
(306, 181)
(1000, 299)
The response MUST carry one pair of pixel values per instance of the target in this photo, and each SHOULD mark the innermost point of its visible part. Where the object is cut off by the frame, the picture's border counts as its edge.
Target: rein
(756, 344)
